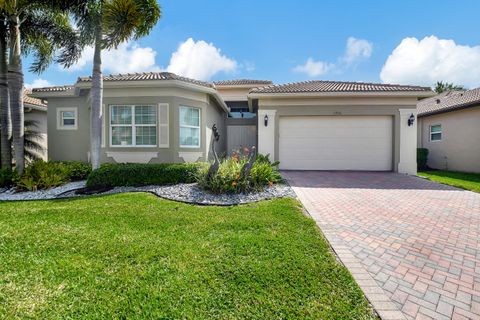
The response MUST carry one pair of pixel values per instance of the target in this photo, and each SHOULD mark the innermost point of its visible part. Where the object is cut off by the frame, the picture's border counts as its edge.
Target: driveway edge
(382, 304)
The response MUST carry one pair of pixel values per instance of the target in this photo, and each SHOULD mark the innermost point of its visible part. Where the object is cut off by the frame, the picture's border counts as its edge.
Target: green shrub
(77, 170)
(229, 179)
(134, 174)
(422, 158)
(6, 177)
(43, 175)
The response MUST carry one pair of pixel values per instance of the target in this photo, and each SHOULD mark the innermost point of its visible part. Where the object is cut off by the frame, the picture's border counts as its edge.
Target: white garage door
(336, 143)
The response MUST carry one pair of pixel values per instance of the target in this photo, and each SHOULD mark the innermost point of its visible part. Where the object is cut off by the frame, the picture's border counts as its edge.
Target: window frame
(132, 125)
(60, 118)
(199, 127)
(438, 132)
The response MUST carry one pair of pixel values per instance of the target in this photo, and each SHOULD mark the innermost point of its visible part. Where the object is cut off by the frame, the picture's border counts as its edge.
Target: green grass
(137, 256)
(464, 180)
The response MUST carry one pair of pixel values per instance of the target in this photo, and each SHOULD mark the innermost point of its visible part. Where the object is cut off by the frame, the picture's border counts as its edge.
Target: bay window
(189, 127)
(133, 125)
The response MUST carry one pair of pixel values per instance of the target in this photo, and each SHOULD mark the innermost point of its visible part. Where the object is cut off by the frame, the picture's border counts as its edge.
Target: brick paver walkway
(417, 239)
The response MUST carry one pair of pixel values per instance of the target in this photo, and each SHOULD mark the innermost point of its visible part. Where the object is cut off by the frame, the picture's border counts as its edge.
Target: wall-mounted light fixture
(265, 120)
(411, 120)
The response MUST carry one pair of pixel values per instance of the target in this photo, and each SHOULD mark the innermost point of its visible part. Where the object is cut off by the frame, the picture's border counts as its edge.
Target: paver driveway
(417, 239)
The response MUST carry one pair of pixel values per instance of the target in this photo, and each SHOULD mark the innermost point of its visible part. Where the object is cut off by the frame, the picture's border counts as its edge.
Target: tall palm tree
(105, 24)
(5, 118)
(41, 26)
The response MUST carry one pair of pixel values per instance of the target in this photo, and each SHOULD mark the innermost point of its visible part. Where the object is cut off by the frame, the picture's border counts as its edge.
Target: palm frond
(50, 36)
(126, 19)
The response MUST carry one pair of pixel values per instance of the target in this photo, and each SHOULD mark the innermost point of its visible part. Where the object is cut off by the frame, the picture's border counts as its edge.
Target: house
(313, 125)
(35, 111)
(449, 127)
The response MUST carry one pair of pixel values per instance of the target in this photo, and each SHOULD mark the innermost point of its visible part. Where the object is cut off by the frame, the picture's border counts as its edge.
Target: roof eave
(239, 86)
(135, 84)
(451, 109)
(70, 92)
(35, 107)
(416, 94)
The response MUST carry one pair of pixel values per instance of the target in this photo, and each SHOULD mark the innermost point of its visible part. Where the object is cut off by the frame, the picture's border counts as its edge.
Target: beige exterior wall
(459, 149)
(236, 93)
(40, 117)
(75, 144)
(403, 141)
(68, 144)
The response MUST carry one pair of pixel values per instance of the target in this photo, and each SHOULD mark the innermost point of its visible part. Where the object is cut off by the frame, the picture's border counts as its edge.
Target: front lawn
(137, 256)
(468, 181)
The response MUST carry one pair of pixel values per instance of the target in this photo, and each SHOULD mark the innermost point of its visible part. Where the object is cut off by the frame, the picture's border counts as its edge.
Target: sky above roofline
(408, 42)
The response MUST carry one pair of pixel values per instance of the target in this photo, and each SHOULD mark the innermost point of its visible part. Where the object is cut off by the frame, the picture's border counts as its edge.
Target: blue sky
(287, 41)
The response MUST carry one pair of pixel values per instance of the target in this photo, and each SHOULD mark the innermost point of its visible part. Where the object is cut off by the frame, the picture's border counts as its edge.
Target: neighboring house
(314, 125)
(449, 127)
(36, 110)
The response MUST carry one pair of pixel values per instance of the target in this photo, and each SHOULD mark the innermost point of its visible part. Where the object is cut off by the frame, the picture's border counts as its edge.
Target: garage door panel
(336, 143)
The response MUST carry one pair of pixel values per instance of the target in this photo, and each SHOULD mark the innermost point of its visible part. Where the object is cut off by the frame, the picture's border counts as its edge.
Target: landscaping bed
(188, 193)
(136, 256)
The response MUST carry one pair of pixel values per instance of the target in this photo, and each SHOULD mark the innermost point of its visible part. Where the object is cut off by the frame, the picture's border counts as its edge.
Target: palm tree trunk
(97, 97)
(6, 120)
(15, 86)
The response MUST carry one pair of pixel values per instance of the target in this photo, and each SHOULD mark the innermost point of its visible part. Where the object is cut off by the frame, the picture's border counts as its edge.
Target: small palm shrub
(43, 175)
(229, 178)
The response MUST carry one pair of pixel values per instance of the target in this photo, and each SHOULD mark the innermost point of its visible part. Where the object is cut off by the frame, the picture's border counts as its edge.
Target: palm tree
(441, 86)
(32, 146)
(41, 27)
(105, 24)
(5, 119)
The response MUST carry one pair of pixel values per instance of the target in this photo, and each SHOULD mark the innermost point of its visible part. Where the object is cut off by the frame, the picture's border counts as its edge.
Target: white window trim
(132, 125)
(430, 132)
(60, 125)
(195, 127)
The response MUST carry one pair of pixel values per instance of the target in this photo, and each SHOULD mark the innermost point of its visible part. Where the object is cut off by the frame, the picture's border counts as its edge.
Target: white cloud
(38, 83)
(313, 68)
(199, 60)
(357, 49)
(429, 60)
(128, 57)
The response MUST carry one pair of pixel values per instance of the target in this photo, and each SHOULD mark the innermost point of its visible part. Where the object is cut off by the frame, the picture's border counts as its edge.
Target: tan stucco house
(449, 127)
(313, 125)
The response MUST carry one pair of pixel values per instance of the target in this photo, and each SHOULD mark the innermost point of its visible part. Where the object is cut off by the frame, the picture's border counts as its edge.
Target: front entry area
(336, 143)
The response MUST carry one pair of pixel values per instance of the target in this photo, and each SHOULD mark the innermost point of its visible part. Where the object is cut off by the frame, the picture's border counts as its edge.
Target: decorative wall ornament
(216, 163)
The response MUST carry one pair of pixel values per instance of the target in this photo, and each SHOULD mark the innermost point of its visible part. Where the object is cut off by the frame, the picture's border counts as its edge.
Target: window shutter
(163, 130)
(104, 119)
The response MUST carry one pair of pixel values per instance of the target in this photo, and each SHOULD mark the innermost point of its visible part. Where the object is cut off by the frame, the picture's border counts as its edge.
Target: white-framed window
(133, 126)
(67, 118)
(190, 127)
(436, 132)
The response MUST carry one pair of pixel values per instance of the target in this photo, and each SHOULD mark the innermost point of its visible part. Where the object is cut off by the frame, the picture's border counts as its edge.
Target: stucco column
(266, 134)
(408, 143)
